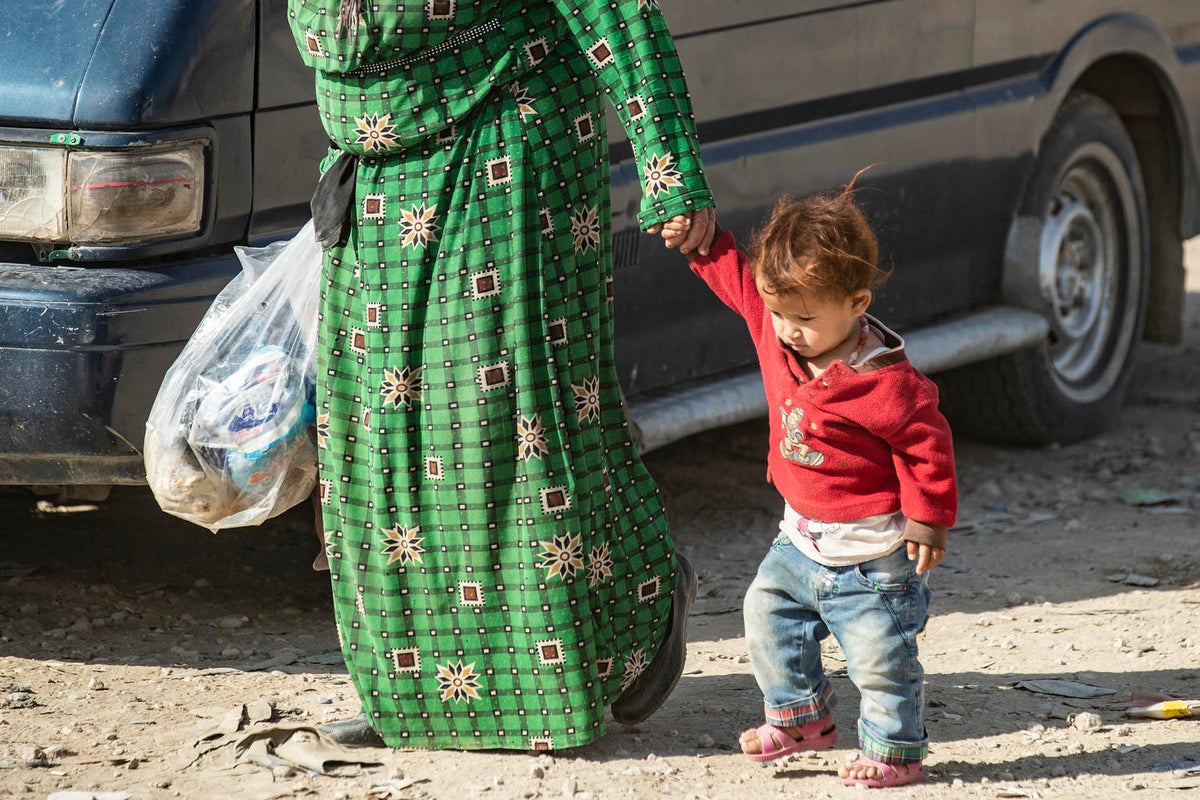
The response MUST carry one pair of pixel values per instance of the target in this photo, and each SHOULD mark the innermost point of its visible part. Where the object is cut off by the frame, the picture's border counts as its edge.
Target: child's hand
(926, 556)
(690, 232)
(917, 537)
(675, 230)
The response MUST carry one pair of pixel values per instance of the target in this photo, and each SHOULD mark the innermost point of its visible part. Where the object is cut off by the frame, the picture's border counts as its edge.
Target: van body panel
(47, 49)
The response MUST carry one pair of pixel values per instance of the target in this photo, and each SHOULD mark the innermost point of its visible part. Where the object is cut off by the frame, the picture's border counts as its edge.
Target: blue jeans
(875, 610)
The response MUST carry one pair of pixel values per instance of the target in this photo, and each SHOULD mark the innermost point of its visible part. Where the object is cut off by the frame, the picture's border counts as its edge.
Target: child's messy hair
(821, 244)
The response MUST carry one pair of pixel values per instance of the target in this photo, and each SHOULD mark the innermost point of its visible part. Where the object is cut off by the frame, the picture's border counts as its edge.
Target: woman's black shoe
(651, 689)
(352, 732)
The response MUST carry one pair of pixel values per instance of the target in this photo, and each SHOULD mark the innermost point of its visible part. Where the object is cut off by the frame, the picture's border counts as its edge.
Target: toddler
(864, 461)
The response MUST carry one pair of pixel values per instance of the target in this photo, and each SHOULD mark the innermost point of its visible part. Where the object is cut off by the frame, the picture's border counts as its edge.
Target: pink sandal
(776, 743)
(890, 774)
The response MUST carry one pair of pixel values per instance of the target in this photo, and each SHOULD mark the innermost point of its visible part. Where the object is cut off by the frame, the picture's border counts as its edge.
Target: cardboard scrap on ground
(1064, 688)
(300, 746)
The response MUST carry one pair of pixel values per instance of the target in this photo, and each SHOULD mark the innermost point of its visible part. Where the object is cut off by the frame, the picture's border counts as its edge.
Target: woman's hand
(691, 232)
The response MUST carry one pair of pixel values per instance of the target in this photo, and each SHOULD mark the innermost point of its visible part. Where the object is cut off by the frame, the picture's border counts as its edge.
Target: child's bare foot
(869, 772)
(768, 742)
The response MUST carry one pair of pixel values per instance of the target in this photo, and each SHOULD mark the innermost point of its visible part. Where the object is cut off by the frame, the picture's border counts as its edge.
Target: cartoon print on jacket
(792, 444)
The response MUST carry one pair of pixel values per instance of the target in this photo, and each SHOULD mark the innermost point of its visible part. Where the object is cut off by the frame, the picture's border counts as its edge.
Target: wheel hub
(1079, 261)
(1080, 265)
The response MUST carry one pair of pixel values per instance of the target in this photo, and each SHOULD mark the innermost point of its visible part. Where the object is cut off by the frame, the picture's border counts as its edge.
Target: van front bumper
(82, 354)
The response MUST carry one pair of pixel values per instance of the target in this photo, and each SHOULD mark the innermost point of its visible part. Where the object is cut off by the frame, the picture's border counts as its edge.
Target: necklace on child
(863, 331)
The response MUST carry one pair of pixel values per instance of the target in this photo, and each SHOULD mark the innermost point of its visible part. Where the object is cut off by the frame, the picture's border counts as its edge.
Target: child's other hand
(926, 556)
(690, 232)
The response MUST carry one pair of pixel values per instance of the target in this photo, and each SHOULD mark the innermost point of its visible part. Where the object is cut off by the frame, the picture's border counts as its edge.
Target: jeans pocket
(890, 574)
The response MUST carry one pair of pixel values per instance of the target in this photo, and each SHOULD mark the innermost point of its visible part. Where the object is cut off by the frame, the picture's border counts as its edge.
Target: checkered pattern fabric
(501, 563)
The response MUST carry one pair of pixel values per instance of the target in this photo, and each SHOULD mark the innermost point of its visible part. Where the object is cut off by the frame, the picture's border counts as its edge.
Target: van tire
(1081, 258)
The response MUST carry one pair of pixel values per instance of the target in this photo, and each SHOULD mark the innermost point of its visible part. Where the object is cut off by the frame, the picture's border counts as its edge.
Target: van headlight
(101, 196)
(32, 201)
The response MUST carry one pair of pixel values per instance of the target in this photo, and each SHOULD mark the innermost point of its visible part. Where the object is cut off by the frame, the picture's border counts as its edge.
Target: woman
(501, 565)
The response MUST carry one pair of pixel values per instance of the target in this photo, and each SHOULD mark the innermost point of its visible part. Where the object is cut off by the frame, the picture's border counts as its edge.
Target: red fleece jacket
(852, 443)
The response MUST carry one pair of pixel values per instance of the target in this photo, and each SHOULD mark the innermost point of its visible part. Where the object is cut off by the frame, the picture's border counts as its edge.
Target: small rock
(56, 752)
(1085, 721)
(260, 711)
(706, 742)
(96, 685)
(537, 773)
(569, 787)
(283, 771)
(33, 756)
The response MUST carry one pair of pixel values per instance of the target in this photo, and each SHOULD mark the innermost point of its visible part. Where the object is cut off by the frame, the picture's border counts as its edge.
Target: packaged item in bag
(230, 440)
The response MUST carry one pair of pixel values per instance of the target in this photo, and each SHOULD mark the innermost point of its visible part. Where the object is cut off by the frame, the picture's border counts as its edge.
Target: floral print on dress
(661, 175)
(417, 226)
(587, 399)
(458, 682)
(524, 100)
(331, 538)
(401, 386)
(585, 229)
(531, 437)
(635, 665)
(403, 543)
(600, 564)
(322, 431)
(376, 132)
(563, 557)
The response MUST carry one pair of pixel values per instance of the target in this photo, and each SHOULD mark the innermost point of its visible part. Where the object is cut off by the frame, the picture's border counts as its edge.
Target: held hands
(692, 232)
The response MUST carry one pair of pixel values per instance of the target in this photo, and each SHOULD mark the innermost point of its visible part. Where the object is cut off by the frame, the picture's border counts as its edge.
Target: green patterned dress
(501, 564)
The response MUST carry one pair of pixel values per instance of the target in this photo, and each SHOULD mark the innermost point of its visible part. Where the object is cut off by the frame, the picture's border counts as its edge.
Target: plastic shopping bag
(230, 440)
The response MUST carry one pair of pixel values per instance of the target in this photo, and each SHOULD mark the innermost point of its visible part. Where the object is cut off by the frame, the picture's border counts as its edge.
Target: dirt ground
(127, 637)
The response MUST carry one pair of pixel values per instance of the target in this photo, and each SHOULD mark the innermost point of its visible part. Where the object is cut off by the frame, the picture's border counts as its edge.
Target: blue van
(1034, 178)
